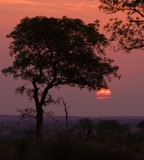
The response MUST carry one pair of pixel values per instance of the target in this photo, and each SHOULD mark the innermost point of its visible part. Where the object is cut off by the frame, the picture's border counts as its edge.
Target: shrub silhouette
(86, 128)
(109, 129)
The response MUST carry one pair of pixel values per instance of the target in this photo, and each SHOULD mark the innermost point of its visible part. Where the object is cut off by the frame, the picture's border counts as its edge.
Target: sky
(127, 94)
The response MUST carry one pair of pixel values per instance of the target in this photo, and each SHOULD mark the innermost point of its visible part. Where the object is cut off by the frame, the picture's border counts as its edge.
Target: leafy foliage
(31, 113)
(129, 30)
(52, 52)
(85, 124)
(141, 124)
(109, 125)
(109, 129)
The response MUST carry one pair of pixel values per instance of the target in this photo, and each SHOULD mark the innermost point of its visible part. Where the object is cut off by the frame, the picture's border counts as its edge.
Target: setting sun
(103, 93)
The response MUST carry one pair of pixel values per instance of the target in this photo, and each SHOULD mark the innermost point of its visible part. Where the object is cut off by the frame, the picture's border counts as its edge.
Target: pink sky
(127, 94)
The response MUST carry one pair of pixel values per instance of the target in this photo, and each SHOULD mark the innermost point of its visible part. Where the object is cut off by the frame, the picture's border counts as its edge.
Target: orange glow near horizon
(18, 9)
(103, 93)
(73, 5)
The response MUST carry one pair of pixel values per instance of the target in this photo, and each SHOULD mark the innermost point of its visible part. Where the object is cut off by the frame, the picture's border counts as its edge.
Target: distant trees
(86, 128)
(109, 129)
(52, 52)
(141, 125)
(128, 28)
(103, 130)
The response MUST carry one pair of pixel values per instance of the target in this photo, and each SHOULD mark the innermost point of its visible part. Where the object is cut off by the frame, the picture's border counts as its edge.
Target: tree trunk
(39, 123)
(66, 118)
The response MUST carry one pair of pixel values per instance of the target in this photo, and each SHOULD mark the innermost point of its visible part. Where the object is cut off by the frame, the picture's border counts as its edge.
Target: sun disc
(103, 93)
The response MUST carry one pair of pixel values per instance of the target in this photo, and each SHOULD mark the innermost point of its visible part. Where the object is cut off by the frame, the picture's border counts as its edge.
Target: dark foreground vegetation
(70, 148)
(86, 140)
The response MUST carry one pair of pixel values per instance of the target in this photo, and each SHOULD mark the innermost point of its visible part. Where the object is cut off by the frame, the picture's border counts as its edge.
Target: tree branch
(131, 21)
(134, 9)
(136, 21)
(128, 29)
(134, 47)
(123, 7)
(50, 85)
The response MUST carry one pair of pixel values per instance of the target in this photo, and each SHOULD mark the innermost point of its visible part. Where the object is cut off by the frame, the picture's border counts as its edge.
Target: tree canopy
(110, 129)
(51, 52)
(127, 29)
(141, 124)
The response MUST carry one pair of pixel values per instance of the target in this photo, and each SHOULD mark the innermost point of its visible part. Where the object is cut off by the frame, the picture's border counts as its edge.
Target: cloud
(81, 5)
(31, 4)
(15, 2)
(72, 5)
(23, 2)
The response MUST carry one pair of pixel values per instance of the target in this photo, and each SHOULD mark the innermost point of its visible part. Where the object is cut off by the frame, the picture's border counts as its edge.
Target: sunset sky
(127, 94)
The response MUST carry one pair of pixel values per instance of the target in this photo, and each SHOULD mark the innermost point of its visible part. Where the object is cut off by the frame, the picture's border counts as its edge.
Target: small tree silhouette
(109, 129)
(86, 127)
(141, 125)
(66, 107)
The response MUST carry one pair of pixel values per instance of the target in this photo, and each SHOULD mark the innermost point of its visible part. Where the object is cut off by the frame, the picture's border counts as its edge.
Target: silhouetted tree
(27, 113)
(141, 125)
(107, 129)
(127, 30)
(66, 107)
(86, 128)
(51, 52)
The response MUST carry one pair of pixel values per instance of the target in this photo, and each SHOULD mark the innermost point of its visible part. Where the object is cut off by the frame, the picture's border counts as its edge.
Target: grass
(111, 141)
(68, 147)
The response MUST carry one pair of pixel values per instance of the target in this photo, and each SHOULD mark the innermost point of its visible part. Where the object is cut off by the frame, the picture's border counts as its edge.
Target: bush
(111, 129)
